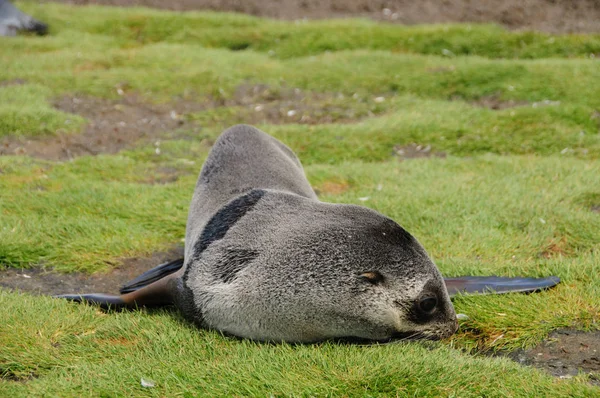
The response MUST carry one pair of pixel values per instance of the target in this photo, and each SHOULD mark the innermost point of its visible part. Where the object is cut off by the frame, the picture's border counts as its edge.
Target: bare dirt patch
(415, 151)
(332, 187)
(12, 82)
(129, 122)
(113, 126)
(565, 354)
(265, 104)
(546, 15)
(496, 103)
(41, 281)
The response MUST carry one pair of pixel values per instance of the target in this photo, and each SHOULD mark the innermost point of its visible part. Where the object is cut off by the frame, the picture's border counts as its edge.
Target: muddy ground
(39, 280)
(564, 354)
(547, 15)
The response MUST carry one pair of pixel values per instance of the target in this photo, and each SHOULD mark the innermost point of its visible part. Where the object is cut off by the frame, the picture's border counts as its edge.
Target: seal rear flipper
(156, 294)
(152, 275)
(498, 285)
(103, 300)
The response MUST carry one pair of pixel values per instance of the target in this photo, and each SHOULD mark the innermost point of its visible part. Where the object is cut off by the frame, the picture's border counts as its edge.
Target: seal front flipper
(498, 285)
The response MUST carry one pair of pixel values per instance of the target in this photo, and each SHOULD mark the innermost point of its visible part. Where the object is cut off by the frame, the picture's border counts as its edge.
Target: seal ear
(373, 277)
(498, 285)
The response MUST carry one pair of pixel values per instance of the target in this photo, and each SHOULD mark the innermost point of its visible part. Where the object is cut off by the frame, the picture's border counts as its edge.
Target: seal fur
(266, 260)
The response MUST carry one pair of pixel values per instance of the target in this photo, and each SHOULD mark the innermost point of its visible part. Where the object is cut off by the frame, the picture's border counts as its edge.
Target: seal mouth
(412, 336)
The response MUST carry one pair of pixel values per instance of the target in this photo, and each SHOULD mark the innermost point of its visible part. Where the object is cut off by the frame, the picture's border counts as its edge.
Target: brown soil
(12, 82)
(42, 281)
(494, 102)
(414, 151)
(113, 125)
(565, 354)
(122, 124)
(546, 15)
(332, 187)
(263, 104)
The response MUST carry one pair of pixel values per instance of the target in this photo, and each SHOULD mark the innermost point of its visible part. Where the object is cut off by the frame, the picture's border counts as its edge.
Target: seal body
(265, 259)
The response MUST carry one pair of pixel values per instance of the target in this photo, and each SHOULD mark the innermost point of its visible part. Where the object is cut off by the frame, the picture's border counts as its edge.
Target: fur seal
(266, 260)
(12, 20)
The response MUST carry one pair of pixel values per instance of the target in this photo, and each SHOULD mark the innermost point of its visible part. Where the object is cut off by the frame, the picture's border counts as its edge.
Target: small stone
(364, 198)
(147, 383)
(291, 113)
(379, 99)
(448, 53)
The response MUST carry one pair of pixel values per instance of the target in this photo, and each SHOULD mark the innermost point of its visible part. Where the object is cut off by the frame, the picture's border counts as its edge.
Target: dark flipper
(103, 300)
(154, 288)
(152, 276)
(498, 285)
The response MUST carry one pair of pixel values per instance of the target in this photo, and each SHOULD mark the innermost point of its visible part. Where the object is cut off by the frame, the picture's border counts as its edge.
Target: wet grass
(514, 195)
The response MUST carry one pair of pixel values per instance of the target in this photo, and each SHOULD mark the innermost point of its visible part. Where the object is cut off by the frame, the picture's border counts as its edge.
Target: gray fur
(13, 20)
(266, 260)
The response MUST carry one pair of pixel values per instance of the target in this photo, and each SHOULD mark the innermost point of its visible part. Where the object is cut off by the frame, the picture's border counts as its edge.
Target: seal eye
(428, 304)
(373, 277)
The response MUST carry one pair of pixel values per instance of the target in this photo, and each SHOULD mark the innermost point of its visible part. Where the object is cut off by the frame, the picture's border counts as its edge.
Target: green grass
(299, 39)
(81, 351)
(513, 196)
(25, 111)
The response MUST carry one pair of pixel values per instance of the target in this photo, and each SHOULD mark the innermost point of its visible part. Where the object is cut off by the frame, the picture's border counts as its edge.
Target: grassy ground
(514, 195)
